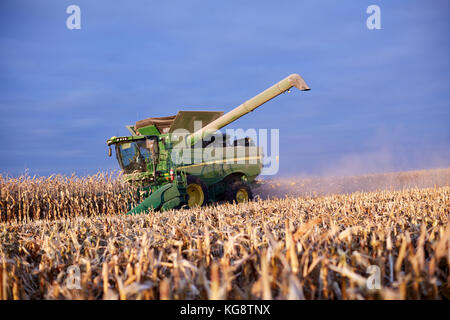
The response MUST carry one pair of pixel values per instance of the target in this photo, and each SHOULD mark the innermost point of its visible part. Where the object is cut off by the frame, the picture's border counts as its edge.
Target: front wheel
(238, 192)
(197, 192)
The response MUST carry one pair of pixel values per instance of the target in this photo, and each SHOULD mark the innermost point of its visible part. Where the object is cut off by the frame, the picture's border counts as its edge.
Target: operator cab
(137, 155)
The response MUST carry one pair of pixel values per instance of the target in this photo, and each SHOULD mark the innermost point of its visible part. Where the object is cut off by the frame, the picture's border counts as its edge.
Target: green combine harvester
(173, 161)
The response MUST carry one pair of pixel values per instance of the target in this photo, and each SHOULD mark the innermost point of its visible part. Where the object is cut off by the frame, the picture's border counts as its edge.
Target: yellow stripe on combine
(220, 161)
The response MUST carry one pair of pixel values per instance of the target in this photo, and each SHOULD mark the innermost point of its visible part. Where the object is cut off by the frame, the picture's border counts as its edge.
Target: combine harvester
(165, 157)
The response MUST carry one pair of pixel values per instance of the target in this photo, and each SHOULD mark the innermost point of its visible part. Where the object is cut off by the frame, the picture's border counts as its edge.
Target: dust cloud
(326, 185)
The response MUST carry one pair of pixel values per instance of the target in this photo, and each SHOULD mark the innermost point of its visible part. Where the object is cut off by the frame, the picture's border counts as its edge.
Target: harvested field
(323, 247)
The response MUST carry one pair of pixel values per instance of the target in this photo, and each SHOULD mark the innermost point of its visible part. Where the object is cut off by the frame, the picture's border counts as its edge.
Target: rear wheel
(197, 192)
(238, 192)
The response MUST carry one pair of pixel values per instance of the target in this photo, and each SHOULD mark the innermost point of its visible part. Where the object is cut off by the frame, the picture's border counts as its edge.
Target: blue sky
(380, 99)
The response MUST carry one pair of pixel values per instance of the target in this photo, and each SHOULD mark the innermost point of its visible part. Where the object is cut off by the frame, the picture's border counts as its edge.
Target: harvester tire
(197, 192)
(238, 192)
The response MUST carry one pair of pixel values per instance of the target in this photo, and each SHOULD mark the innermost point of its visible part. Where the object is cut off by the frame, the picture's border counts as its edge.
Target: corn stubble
(67, 238)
